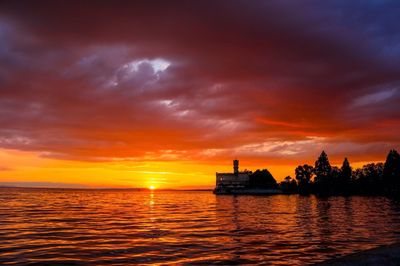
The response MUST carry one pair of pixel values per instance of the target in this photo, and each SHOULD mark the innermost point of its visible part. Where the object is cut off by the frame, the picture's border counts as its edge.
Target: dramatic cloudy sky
(132, 93)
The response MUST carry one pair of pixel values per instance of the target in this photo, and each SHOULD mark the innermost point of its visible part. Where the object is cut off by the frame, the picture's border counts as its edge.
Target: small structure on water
(242, 182)
(233, 180)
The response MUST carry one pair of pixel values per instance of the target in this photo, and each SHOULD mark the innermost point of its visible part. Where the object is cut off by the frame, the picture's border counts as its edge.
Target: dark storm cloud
(127, 79)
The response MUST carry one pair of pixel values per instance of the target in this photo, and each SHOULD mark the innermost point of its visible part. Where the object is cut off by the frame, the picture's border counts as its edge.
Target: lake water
(85, 227)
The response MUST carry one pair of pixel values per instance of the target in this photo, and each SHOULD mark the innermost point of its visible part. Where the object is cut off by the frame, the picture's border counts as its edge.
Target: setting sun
(152, 187)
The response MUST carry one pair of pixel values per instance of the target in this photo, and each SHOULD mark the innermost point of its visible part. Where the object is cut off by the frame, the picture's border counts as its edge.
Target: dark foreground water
(83, 227)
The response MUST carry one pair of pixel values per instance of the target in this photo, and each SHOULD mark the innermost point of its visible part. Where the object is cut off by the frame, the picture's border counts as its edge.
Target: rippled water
(84, 227)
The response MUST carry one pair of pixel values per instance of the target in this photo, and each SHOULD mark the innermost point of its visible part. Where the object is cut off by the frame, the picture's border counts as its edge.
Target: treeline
(326, 180)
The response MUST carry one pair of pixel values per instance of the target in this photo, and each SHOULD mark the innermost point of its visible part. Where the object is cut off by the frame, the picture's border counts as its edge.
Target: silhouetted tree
(288, 185)
(262, 179)
(368, 180)
(346, 171)
(344, 182)
(356, 178)
(304, 174)
(391, 173)
(334, 180)
(322, 172)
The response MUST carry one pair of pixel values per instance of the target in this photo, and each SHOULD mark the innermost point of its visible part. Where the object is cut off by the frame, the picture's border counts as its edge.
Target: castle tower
(236, 167)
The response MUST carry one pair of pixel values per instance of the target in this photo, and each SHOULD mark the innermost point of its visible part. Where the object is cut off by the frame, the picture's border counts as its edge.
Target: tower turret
(236, 167)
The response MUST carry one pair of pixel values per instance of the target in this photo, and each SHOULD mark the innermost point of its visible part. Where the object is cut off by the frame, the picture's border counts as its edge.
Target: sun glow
(152, 187)
(22, 168)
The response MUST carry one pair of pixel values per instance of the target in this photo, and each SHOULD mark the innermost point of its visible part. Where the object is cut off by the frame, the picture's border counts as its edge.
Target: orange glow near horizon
(29, 169)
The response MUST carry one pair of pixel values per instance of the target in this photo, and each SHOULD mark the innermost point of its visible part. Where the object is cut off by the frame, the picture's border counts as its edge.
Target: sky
(166, 93)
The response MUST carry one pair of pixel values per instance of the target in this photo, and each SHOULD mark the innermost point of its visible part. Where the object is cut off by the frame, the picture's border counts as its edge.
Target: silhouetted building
(233, 180)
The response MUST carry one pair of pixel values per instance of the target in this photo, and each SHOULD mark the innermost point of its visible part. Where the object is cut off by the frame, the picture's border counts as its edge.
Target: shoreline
(383, 255)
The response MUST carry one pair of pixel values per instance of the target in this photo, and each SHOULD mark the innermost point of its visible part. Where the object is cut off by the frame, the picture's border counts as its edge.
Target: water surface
(117, 227)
